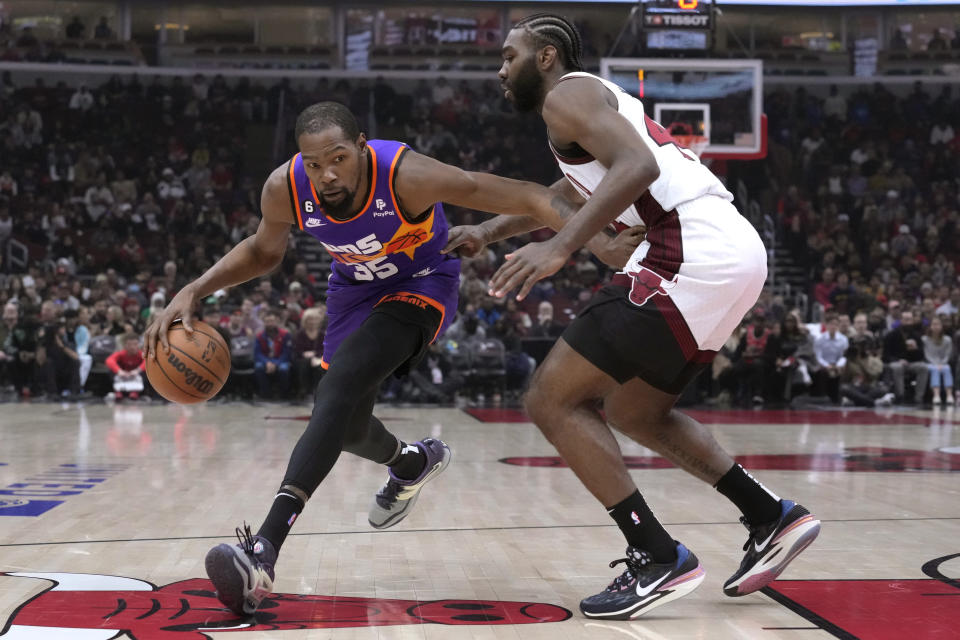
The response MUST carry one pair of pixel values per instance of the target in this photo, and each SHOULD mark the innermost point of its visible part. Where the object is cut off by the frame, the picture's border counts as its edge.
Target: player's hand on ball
(620, 248)
(526, 266)
(469, 239)
(180, 307)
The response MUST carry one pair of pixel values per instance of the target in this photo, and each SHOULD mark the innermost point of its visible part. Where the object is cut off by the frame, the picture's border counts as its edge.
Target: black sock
(284, 511)
(757, 503)
(642, 529)
(409, 461)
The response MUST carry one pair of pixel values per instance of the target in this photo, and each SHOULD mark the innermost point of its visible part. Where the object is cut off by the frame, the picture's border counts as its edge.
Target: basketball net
(686, 138)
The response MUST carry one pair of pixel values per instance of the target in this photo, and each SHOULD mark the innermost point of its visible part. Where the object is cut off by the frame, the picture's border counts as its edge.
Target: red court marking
(749, 417)
(874, 609)
(851, 459)
(186, 610)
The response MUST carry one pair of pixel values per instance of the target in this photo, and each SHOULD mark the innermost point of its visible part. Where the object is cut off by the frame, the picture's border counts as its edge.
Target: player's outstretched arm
(423, 181)
(470, 240)
(578, 111)
(254, 256)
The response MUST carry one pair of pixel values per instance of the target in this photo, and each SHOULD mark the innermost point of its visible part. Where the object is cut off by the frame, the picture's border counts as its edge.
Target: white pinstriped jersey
(702, 264)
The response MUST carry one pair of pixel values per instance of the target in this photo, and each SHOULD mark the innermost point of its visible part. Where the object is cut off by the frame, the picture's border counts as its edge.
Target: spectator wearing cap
(904, 242)
(132, 316)
(157, 303)
(272, 357)
(213, 316)
(296, 295)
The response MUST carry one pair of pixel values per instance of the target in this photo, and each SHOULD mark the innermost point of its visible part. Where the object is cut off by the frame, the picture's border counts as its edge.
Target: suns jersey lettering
(379, 242)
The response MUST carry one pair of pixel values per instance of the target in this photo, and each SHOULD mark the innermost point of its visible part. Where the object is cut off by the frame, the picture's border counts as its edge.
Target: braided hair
(553, 29)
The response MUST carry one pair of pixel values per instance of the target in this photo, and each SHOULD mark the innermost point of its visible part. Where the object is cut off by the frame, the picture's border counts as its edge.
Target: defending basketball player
(642, 339)
(375, 206)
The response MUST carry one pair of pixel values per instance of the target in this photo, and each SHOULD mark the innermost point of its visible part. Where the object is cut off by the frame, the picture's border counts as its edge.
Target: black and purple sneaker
(242, 573)
(645, 585)
(396, 498)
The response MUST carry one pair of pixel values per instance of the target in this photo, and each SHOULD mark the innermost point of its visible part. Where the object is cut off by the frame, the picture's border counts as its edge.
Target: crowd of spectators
(872, 222)
(124, 191)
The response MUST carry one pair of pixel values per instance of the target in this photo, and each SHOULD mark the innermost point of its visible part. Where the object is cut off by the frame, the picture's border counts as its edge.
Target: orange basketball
(196, 367)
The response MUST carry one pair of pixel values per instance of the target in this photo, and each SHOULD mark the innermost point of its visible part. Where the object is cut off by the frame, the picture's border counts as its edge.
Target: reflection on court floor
(106, 514)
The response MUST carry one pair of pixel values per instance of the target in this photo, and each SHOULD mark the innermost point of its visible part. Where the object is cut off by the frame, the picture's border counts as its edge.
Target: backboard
(717, 101)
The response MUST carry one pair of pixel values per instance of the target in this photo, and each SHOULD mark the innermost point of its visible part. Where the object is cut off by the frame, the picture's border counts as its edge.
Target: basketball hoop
(692, 142)
(683, 134)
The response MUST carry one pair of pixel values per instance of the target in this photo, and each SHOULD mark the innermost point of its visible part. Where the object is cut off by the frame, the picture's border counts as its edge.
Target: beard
(527, 88)
(340, 209)
(344, 207)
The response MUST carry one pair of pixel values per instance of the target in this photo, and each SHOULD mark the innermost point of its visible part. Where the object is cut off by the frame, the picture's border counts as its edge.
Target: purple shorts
(350, 303)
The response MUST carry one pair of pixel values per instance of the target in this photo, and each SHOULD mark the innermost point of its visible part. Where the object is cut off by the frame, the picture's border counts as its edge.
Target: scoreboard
(677, 24)
(678, 14)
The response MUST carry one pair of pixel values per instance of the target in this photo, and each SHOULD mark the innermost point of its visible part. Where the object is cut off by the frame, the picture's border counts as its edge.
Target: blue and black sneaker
(771, 547)
(645, 585)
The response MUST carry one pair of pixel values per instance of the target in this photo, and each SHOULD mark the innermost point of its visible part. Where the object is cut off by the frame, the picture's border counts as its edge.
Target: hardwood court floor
(133, 496)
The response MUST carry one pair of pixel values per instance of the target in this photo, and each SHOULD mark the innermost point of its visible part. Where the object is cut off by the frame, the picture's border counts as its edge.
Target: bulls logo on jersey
(647, 284)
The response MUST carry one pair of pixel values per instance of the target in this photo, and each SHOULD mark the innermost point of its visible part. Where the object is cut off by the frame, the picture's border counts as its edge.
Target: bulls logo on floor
(107, 607)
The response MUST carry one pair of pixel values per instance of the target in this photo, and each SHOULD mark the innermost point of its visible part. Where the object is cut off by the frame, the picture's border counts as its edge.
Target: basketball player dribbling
(375, 206)
(644, 337)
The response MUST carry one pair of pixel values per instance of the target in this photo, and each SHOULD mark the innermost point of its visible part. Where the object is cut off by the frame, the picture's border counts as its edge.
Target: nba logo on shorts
(647, 284)
(380, 204)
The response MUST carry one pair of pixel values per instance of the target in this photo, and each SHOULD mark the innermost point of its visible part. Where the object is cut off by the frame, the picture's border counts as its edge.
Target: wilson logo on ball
(191, 377)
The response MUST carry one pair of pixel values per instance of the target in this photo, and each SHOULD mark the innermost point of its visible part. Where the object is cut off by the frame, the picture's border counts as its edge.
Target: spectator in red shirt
(127, 366)
(824, 288)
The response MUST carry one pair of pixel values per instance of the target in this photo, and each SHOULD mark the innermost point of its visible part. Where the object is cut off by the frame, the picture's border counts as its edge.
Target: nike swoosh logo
(762, 547)
(650, 587)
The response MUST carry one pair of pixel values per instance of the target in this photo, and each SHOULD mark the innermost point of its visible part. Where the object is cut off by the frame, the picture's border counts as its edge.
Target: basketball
(196, 367)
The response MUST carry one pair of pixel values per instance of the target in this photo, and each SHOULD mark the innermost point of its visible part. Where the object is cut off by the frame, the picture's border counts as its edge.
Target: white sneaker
(936, 399)
(949, 398)
(886, 400)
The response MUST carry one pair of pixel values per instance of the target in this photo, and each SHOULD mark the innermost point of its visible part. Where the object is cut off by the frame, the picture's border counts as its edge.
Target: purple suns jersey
(379, 256)
(378, 243)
